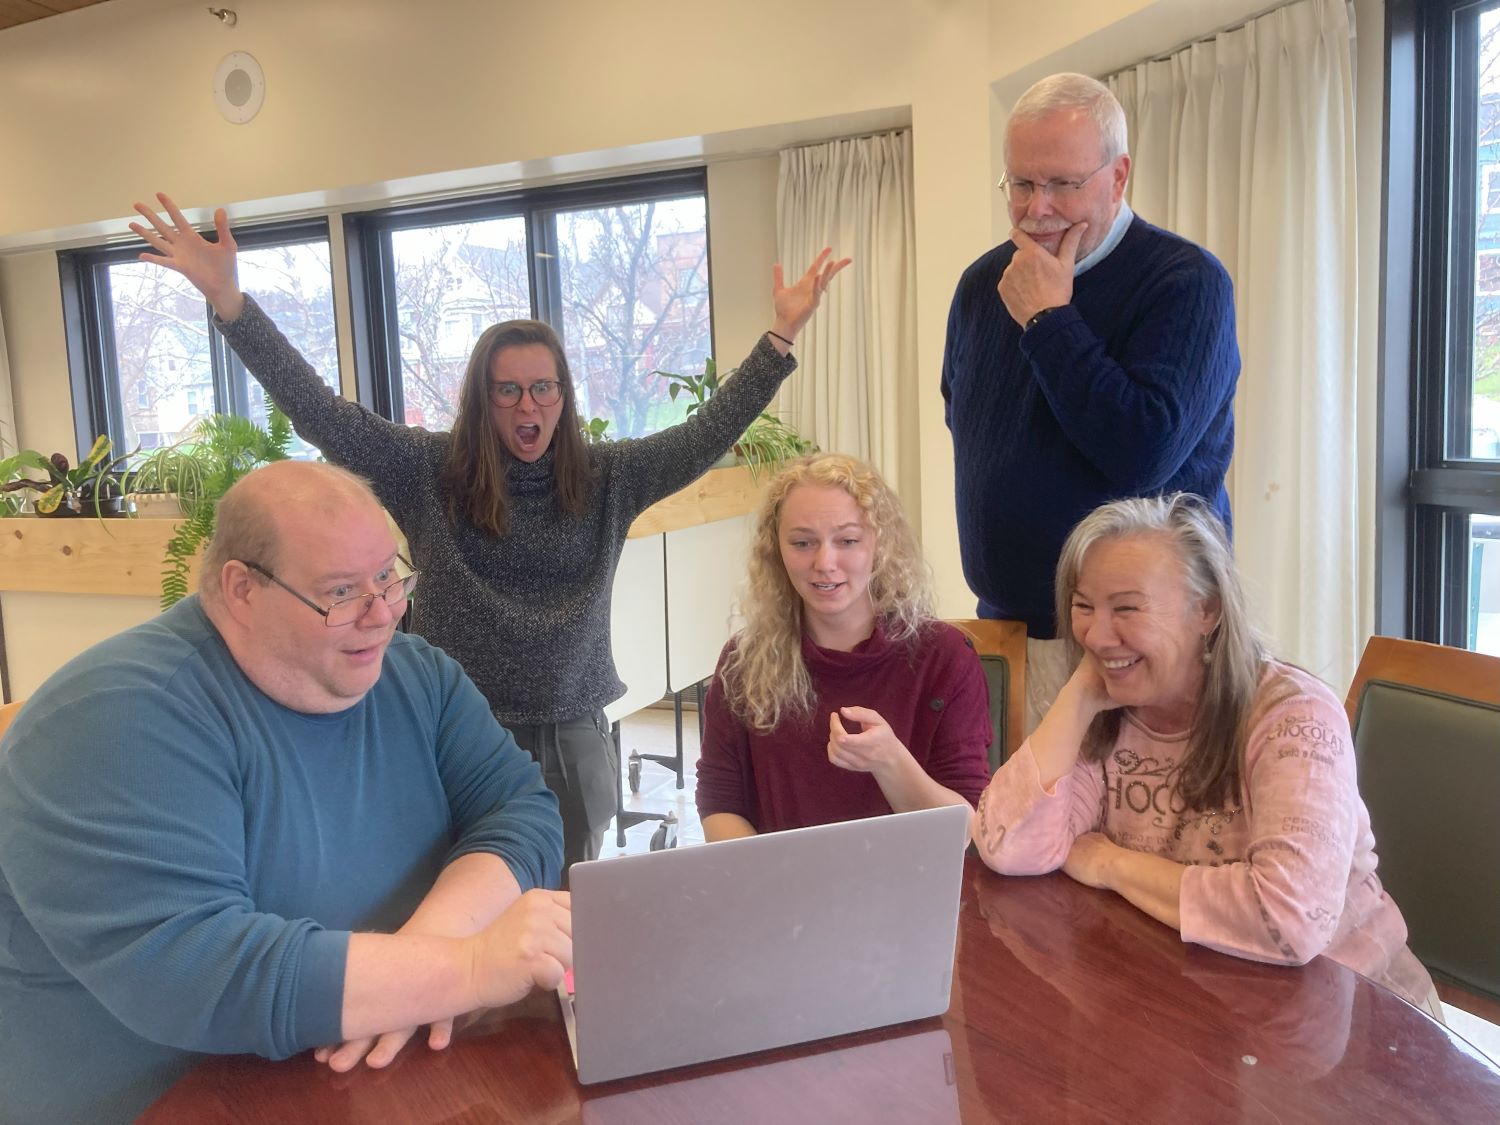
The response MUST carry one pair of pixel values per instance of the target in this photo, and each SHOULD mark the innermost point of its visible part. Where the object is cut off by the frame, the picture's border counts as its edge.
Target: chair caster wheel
(665, 835)
(634, 771)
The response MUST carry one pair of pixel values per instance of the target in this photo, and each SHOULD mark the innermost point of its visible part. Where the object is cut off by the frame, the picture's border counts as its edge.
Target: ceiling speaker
(239, 87)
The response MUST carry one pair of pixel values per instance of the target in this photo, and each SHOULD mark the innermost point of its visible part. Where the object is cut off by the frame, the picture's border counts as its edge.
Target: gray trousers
(579, 764)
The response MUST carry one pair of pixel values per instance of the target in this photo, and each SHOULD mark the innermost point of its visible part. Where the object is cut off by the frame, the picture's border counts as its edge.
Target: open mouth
(826, 587)
(366, 654)
(1120, 664)
(529, 436)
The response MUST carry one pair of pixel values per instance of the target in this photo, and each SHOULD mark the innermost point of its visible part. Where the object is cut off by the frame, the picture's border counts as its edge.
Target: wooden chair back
(1001, 646)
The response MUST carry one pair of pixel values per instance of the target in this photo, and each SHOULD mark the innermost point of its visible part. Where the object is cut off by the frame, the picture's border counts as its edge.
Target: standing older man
(210, 824)
(1091, 357)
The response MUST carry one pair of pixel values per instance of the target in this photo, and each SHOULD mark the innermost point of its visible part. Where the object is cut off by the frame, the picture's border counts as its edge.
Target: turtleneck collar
(873, 649)
(530, 477)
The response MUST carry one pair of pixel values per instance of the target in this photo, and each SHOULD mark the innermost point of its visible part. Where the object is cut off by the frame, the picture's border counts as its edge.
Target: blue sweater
(182, 859)
(1127, 391)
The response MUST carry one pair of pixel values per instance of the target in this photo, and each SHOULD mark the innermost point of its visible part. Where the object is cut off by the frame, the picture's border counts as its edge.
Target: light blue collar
(1111, 240)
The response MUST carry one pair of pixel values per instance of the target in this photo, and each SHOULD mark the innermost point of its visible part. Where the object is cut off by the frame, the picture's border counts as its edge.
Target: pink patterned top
(1285, 874)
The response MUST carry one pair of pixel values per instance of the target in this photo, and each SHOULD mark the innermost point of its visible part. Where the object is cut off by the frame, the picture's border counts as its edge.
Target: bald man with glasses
(1091, 357)
(263, 822)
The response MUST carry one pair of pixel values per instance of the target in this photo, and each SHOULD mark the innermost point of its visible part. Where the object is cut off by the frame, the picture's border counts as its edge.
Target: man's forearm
(403, 980)
(469, 894)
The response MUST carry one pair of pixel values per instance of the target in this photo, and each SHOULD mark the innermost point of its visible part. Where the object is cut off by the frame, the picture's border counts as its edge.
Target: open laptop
(694, 954)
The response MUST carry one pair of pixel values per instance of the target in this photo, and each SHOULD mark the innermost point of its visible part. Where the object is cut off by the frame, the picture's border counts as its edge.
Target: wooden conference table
(1068, 1004)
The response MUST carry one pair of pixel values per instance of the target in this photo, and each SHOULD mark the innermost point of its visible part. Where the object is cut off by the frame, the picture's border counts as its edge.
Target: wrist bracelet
(779, 336)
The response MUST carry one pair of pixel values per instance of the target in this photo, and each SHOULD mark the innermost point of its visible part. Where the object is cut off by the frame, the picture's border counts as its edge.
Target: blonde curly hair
(765, 679)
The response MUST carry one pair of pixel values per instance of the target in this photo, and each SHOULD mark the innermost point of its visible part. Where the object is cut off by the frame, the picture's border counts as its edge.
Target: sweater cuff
(1064, 318)
(766, 351)
(320, 990)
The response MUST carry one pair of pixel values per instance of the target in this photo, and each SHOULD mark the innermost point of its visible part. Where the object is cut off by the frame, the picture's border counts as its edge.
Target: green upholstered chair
(1426, 723)
(1001, 646)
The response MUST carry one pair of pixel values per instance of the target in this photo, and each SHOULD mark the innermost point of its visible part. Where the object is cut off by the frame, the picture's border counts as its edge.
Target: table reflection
(909, 1078)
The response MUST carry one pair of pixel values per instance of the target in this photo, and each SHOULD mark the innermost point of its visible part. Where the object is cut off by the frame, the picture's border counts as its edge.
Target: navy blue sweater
(1128, 391)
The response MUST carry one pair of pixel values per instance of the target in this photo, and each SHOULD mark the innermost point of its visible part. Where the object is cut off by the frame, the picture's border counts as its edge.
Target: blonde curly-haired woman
(843, 696)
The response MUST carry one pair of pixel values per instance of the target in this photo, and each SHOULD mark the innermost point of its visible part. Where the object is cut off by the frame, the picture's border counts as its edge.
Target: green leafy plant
(179, 470)
(221, 450)
(594, 430)
(63, 488)
(700, 388)
(768, 442)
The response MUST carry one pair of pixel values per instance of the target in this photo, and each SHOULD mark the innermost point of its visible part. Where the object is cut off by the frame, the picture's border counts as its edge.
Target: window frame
(372, 296)
(93, 371)
(1426, 495)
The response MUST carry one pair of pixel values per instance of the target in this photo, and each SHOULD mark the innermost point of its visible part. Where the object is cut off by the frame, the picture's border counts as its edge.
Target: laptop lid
(701, 953)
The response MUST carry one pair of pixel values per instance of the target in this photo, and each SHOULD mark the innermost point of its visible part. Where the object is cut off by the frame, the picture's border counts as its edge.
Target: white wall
(377, 100)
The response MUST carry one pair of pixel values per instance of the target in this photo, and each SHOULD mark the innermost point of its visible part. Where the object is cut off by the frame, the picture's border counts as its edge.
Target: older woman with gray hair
(1188, 770)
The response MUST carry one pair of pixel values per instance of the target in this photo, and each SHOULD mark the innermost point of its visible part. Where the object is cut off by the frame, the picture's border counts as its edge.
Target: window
(137, 327)
(1490, 189)
(619, 269)
(1443, 196)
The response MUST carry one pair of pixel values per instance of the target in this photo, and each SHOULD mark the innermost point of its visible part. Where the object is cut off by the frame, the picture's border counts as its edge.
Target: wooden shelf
(83, 555)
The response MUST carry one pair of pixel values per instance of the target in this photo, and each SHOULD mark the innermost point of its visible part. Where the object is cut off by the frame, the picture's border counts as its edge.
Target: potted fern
(200, 469)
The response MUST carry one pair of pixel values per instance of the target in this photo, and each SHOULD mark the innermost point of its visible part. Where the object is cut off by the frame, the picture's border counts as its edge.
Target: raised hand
(210, 266)
(1035, 280)
(795, 304)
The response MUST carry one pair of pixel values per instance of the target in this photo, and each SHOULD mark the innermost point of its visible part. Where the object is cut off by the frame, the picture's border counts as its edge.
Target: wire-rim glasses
(1021, 191)
(347, 611)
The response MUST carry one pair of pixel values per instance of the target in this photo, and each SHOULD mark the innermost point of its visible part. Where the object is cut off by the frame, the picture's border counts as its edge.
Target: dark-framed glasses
(1021, 191)
(544, 392)
(346, 611)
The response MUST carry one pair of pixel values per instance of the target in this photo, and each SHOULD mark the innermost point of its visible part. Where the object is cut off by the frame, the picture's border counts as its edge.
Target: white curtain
(855, 196)
(1245, 144)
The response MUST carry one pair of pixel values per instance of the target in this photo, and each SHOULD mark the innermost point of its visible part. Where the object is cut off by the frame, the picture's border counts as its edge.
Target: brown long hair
(1236, 653)
(477, 459)
(765, 678)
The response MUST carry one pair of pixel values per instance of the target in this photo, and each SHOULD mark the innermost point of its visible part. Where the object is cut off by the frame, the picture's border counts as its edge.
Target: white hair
(1075, 91)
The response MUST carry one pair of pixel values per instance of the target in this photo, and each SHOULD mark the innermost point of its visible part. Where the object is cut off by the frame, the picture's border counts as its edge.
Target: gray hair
(1235, 652)
(1076, 91)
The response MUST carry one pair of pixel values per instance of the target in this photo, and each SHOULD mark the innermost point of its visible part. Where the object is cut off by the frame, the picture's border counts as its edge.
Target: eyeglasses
(347, 611)
(544, 392)
(1021, 191)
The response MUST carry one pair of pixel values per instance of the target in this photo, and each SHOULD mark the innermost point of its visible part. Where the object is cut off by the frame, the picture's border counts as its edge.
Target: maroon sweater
(932, 692)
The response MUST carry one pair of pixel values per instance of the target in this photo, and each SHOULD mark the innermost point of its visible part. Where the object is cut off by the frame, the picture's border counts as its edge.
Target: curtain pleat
(855, 196)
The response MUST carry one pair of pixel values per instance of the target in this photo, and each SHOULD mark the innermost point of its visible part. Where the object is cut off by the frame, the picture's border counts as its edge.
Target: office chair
(1426, 723)
(1001, 646)
(665, 835)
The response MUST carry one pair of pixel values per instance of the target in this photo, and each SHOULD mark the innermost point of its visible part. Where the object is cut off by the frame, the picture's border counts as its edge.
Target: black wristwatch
(1037, 316)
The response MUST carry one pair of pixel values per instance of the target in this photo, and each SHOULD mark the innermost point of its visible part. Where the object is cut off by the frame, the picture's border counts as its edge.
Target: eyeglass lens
(544, 392)
(351, 610)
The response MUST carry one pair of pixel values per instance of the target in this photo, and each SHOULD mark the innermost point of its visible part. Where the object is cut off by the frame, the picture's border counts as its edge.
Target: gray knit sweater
(525, 613)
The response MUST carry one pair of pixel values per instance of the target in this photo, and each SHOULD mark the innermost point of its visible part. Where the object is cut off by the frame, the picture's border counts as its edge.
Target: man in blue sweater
(1090, 358)
(263, 822)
